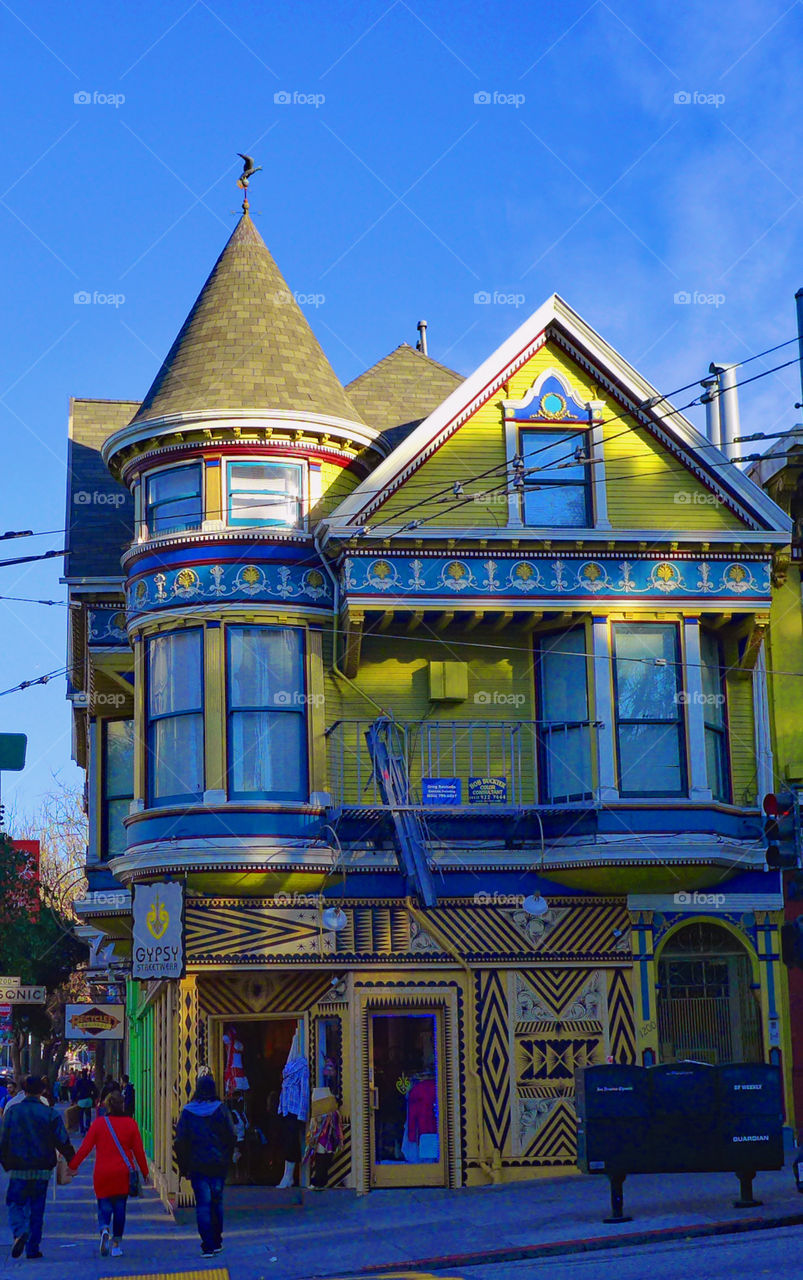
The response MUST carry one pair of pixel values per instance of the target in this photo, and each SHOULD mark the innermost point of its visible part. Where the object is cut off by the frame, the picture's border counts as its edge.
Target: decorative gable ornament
(552, 398)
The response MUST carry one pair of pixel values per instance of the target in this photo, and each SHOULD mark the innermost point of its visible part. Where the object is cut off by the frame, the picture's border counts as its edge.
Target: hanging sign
(23, 995)
(487, 790)
(94, 1021)
(158, 942)
(6, 1029)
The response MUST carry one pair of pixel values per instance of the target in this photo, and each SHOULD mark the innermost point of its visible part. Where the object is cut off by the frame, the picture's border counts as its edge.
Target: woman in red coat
(110, 1178)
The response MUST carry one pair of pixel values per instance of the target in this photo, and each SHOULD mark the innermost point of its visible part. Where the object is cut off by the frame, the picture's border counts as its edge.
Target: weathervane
(249, 169)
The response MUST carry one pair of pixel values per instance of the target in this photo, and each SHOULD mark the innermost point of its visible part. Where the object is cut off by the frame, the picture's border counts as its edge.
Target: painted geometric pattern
(554, 1059)
(621, 1023)
(220, 931)
(340, 1167)
(188, 1047)
(262, 993)
(554, 1139)
(493, 1019)
(543, 994)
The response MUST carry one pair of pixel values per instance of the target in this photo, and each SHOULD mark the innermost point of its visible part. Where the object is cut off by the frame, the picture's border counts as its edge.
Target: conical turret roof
(246, 345)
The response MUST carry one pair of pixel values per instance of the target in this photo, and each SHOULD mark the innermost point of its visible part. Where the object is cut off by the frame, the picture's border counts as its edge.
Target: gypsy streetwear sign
(94, 1021)
(158, 931)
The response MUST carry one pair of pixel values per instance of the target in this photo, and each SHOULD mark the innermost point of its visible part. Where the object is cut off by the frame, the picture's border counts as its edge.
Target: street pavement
(474, 1233)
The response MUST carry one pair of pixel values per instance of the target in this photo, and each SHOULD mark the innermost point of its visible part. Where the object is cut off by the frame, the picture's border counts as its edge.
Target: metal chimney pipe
(799, 302)
(713, 421)
(421, 345)
(729, 407)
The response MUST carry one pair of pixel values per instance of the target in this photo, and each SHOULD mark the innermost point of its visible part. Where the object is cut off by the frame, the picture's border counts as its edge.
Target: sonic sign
(158, 950)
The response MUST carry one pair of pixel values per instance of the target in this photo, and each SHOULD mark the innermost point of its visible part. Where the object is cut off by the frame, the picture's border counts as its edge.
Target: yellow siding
(647, 488)
(336, 484)
(741, 730)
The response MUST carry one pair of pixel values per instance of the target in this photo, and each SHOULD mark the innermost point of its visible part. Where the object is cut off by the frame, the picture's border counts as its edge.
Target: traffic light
(781, 829)
(792, 944)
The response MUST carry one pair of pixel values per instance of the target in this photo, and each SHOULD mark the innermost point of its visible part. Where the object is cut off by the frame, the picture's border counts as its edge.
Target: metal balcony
(469, 768)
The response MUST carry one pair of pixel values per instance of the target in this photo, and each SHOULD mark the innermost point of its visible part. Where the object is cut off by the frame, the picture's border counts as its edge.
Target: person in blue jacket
(204, 1141)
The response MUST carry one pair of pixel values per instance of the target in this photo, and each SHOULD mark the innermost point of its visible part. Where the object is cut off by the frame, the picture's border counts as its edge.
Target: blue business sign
(441, 791)
(487, 790)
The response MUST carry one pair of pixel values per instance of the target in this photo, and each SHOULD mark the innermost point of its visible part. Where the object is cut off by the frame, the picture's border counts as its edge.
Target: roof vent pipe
(728, 407)
(713, 423)
(421, 345)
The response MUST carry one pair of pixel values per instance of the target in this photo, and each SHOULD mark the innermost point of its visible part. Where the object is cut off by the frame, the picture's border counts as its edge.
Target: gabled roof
(100, 512)
(399, 391)
(555, 319)
(246, 344)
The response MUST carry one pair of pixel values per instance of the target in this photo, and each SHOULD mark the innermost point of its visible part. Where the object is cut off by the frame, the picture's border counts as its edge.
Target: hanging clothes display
(234, 1077)
(420, 1142)
(293, 1109)
(324, 1136)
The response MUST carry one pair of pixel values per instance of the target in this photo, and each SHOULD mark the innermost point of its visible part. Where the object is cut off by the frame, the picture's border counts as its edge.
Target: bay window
(118, 783)
(267, 723)
(175, 716)
(649, 710)
(265, 493)
(563, 730)
(174, 501)
(558, 493)
(716, 736)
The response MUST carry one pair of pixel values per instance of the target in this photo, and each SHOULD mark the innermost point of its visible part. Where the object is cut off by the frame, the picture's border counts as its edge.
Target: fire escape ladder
(386, 747)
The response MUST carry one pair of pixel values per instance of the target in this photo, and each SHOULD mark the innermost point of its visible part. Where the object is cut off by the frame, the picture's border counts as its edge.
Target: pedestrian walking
(129, 1096)
(30, 1137)
(85, 1095)
(204, 1142)
(117, 1143)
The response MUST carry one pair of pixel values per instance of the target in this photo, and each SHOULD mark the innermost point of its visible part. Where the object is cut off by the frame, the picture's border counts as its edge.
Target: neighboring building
(572, 660)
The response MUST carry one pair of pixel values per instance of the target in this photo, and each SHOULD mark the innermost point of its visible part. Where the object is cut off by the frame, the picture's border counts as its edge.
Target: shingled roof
(398, 392)
(246, 345)
(100, 512)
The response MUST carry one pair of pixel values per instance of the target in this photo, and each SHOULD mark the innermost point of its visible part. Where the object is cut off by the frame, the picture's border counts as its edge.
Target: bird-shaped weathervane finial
(249, 169)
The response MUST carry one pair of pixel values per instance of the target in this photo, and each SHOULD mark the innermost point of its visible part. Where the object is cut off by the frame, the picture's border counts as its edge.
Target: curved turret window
(174, 503)
(265, 493)
(175, 716)
(266, 713)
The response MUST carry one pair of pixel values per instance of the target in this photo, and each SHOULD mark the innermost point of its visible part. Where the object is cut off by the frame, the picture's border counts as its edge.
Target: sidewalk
(336, 1233)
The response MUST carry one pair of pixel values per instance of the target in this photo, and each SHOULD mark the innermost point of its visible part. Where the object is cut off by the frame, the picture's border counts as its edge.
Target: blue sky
(618, 154)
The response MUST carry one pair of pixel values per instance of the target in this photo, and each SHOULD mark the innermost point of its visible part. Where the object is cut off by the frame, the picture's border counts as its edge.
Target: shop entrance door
(407, 1116)
(265, 1047)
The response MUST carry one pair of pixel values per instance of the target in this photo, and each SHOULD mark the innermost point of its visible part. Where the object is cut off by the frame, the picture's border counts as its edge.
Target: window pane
(650, 759)
(265, 667)
(116, 810)
(268, 753)
(174, 500)
(174, 675)
(264, 493)
(545, 449)
(562, 505)
(646, 691)
(716, 763)
(178, 482)
(711, 673)
(563, 672)
(119, 765)
(177, 756)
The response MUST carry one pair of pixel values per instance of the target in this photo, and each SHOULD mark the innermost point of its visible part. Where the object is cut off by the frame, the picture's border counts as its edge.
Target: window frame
(186, 797)
(679, 720)
(245, 523)
(585, 432)
(721, 731)
(540, 704)
(301, 710)
(105, 797)
(195, 464)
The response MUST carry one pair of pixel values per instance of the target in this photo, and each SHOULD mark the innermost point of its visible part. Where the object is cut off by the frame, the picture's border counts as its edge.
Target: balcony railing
(468, 764)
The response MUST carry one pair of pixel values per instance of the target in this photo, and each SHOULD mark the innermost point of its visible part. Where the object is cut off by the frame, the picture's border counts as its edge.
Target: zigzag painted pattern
(556, 1140)
(295, 993)
(492, 1020)
(556, 988)
(621, 1022)
(589, 930)
(585, 1027)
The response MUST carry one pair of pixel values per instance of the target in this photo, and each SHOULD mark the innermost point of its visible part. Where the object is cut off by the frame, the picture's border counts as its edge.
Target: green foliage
(36, 943)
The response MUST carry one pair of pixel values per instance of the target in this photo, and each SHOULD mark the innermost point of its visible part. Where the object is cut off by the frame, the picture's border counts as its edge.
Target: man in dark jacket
(85, 1094)
(204, 1142)
(129, 1096)
(30, 1136)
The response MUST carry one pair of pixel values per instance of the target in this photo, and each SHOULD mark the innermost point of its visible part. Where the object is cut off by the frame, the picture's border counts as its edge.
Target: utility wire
(46, 555)
(27, 684)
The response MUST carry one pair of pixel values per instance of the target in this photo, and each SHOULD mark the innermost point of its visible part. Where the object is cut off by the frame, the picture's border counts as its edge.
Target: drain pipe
(336, 631)
(491, 1166)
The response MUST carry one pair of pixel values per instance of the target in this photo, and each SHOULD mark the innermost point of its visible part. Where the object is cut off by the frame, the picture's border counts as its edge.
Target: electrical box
(448, 681)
